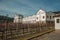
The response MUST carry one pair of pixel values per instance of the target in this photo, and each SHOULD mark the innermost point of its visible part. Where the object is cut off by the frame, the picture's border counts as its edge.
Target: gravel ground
(49, 36)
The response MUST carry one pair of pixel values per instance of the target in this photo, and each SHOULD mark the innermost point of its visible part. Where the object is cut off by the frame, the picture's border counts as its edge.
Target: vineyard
(16, 31)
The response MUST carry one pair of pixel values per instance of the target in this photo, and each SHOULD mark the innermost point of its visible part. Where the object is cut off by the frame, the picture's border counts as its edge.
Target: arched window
(37, 18)
(43, 17)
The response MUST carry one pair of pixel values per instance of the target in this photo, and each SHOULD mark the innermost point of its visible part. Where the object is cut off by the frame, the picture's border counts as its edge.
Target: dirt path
(50, 36)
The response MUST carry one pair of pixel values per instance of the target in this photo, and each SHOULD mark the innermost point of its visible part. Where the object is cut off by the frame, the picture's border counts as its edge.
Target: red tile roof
(57, 15)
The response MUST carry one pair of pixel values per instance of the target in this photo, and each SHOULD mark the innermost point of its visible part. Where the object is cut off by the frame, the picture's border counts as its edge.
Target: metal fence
(11, 31)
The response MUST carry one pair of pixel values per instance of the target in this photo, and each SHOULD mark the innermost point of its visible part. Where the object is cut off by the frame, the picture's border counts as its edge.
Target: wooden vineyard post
(5, 36)
(23, 28)
(11, 33)
(28, 28)
(16, 27)
(2, 34)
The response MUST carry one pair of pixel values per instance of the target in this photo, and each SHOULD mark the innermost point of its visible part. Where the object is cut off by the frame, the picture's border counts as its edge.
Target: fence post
(23, 28)
(28, 28)
(11, 34)
(2, 34)
(5, 30)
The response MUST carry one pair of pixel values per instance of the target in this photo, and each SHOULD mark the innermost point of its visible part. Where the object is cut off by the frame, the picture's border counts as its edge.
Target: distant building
(41, 17)
(50, 16)
(18, 18)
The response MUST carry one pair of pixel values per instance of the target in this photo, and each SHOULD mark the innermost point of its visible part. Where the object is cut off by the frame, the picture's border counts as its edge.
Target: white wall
(57, 25)
(17, 20)
(29, 19)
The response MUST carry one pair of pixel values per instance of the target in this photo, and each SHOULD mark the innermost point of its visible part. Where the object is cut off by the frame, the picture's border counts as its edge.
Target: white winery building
(40, 16)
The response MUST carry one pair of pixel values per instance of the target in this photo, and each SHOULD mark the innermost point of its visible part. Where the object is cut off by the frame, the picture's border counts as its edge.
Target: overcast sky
(27, 7)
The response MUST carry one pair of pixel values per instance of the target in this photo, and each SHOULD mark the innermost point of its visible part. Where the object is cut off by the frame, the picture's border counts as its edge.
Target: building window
(47, 16)
(43, 17)
(57, 20)
(53, 16)
(50, 17)
(37, 18)
(19, 18)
